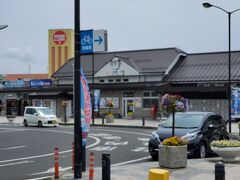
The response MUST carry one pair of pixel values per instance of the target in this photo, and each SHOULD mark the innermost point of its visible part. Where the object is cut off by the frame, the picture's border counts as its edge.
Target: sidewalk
(136, 123)
(197, 169)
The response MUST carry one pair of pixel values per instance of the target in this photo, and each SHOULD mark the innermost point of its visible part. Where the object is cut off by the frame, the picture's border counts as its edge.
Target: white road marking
(126, 132)
(16, 163)
(112, 138)
(51, 170)
(9, 130)
(41, 178)
(15, 147)
(140, 149)
(50, 154)
(116, 143)
(103, 148)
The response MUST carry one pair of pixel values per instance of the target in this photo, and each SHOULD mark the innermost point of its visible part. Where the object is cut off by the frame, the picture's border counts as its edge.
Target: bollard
(56, 163)
(219, 171)
(102, 120)
(91, 164)
(72, 157)
(159, 174)
(106, 166)
(143, 121)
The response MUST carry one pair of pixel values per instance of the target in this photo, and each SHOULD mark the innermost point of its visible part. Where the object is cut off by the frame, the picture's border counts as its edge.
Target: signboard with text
(93, 41)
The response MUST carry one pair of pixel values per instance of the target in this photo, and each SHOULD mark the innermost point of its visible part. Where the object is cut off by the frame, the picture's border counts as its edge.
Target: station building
(136, 80)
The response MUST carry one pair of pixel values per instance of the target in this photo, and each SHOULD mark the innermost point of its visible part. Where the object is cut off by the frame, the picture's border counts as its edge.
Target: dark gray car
(199, 128)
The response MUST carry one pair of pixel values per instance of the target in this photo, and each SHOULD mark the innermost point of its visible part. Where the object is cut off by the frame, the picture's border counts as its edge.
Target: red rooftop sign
(59, 37)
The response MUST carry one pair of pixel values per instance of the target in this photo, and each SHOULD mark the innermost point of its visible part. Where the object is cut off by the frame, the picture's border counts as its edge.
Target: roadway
(27, 152)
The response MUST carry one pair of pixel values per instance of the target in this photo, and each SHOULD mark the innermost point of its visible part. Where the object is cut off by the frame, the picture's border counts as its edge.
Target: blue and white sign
(40, 82)
(93, 41)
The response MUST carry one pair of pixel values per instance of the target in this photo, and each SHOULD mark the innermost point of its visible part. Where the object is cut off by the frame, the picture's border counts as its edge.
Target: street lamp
(208, 5)
(3, 26)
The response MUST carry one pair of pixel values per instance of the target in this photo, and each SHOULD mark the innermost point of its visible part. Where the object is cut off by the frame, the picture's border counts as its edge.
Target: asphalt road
(27, 152)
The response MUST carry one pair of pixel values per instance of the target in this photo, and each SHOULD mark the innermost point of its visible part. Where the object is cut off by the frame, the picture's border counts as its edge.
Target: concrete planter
(109, 118)
(228, 154)
(172, 156)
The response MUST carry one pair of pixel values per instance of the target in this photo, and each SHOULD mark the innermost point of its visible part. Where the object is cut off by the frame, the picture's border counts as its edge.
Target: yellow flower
(174, 141)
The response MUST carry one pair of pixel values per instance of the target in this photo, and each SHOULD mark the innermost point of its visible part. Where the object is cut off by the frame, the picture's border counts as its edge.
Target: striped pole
(91, 164)
(72, 157)
(56, 163)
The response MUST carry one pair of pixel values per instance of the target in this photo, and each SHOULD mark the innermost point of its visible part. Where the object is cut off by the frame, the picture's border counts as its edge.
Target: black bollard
(143, 121)
(102, 120)
(219, 171)
(106, 167)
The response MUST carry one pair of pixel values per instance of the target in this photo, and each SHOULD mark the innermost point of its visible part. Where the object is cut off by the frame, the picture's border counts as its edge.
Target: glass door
(128, 106)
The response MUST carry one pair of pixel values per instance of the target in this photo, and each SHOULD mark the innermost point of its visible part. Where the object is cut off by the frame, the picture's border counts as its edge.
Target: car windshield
(184, 121)
(45, 112)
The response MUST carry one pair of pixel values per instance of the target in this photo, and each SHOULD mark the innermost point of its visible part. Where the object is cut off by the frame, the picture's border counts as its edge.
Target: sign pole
(93, 72)
(76, 95)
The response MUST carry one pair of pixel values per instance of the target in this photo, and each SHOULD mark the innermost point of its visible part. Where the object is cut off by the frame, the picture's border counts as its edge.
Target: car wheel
(39, 123)
(202, 151)
(25, 123)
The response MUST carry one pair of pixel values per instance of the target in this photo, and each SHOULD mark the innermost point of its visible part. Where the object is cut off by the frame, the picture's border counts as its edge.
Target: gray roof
(206, 67)
(144, 61)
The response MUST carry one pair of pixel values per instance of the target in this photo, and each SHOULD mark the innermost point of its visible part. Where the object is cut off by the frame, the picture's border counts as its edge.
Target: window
(118, 80)
(29, 111)
(125, 80)
(214, 120)
(110, 80)
(101, 80)
(149, 99)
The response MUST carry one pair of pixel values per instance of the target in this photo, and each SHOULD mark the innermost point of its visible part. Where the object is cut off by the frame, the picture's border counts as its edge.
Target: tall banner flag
(86, 107)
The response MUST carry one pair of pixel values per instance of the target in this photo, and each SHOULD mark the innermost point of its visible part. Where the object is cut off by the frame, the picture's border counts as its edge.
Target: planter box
(172, 156)
(228, 154)
(109, 119)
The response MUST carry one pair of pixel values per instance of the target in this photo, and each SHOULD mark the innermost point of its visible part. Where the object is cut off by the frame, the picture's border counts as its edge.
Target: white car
(39, 116)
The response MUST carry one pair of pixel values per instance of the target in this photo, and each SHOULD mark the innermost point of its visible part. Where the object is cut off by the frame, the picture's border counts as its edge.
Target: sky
(130, 24)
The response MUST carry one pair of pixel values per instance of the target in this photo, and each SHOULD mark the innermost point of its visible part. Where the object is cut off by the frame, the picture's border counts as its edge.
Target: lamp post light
(3, 26)
(208, 5)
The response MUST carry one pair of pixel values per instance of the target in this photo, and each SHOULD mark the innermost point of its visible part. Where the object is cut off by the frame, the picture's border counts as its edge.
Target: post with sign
(93, 41)
(77, 97)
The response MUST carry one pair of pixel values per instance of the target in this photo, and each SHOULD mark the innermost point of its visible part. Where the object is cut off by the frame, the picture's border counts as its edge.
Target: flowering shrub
(174, 141)
(173, 103)
(225, 143)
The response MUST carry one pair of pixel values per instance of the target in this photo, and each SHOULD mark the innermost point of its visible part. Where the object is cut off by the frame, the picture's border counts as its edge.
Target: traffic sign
(93, 41)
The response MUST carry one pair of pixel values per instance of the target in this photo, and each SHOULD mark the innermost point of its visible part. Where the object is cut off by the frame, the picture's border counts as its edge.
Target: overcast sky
(131, 25)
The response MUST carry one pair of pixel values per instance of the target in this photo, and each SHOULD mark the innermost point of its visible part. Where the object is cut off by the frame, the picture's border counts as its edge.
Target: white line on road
(15, 147)
(50, 154)
(16, 163)
(41, 178)
(52, 170)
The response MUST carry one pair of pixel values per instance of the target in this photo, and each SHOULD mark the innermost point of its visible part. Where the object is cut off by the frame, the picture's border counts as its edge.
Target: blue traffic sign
(87, 41)
(93, 41)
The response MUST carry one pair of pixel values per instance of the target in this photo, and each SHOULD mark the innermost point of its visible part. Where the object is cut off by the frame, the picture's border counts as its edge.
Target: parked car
(199, 128)
(39, 116)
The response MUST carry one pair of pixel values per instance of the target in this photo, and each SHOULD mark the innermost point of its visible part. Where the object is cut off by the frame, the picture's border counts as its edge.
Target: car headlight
(155, 135)
(189, 136)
